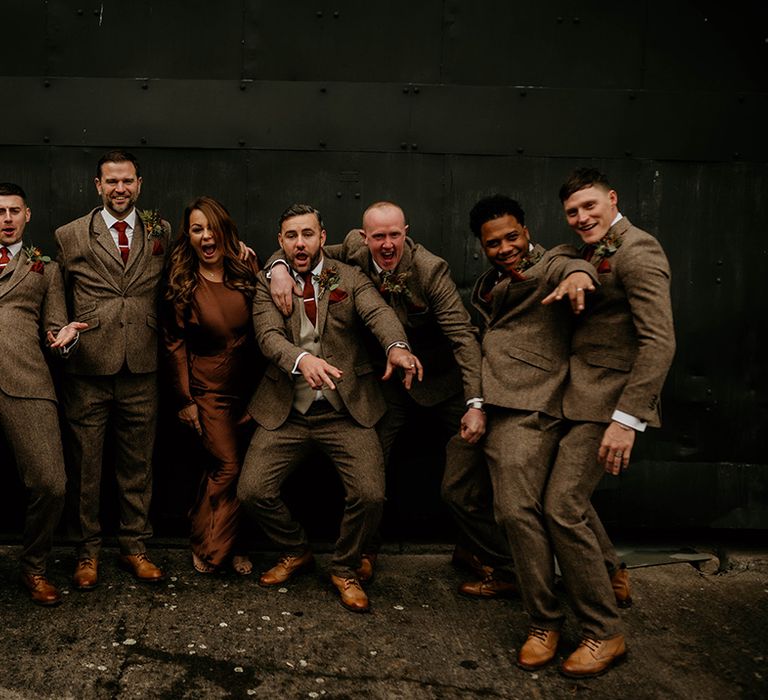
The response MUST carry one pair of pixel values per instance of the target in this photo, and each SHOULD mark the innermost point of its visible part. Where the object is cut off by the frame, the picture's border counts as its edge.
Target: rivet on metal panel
(475, 256)
(143, 139)
(559, 20)
(736, 155)
(523, 93)
(323, 90)
(243, 85)
(631, 96)
(741, 99)
(335, 14)
(79, 13)
(357, 195)
(628, 153)
(519, 150)
(414, 146)
(46, 83)
(46, 139)
(406, 90)
(718, 280)
(576, 20)
(338, 195)
(96, 12)
(145, 86)
(719, 262)
(416, 90)
(403, 145)
(321, 144)
(241, 142)
(319, 14)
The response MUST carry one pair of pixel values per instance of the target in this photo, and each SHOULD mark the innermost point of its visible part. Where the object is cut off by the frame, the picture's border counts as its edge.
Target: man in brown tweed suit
(320, 390)
(621, 350)
(417, 284)
(32, 310)
(112, 262)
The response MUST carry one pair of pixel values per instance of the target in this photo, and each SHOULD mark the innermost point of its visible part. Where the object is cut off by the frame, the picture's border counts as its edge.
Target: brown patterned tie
(310, 305)
(4, 257)
(122, 240)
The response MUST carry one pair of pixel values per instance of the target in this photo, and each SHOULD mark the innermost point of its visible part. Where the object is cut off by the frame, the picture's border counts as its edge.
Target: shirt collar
(618, 218)
(110, 220)
(14, 248)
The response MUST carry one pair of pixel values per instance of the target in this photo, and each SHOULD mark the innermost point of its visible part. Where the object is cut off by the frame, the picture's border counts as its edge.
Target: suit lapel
(103, 240)
(14, 272)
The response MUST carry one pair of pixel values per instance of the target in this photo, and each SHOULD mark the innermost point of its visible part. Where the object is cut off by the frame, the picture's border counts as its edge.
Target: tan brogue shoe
(86, 576)
(464, 559)
(490, 587)
(621, 588)
(141, 567)
(594, 656)
(41, 590)
(539, 649)
(288, 565)
(353, 596)
(367, 564)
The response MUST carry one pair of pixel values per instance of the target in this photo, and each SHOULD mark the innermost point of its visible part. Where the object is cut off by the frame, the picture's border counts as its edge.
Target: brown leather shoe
(464, 559)
(353, 596)
(41, 590)
(86, 576)
(594, 656)
(288, 565)
(141, 567)
(367, 563)
(489, 587)
(539, 649)
(621, 588)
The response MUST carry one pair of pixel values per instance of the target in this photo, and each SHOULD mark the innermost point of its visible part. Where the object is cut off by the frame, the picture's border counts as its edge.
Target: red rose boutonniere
(36, 259)
(394, 285)
(598, 253)
(328, 281)
(153, 225)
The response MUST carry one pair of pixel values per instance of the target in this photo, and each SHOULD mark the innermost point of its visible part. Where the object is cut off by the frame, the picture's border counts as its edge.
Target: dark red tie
(122, 240)
(310, 305)
(4, 257)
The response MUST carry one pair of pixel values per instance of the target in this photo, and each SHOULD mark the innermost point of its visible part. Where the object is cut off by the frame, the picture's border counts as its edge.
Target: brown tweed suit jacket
(31, 303)
(340, 324)
(622, 346)
(439, 329)
(525, 344)
(118, 302)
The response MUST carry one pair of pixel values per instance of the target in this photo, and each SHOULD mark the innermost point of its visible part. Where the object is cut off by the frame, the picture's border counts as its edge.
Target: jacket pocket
(363, 369)
(620, 364)
(531, 358)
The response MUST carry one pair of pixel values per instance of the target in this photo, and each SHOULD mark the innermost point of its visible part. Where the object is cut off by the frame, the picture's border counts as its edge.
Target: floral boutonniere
(36, 259)
(394, 284)
(598, 253)
(526, 263)
(327, 280)
(153, 225)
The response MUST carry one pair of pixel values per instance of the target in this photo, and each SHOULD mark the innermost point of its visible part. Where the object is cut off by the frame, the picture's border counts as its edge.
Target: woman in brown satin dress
(215, 363)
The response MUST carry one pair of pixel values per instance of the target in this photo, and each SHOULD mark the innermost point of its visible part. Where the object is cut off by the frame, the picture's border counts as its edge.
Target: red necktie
(122, 240)
(4, 257)
(310, 305)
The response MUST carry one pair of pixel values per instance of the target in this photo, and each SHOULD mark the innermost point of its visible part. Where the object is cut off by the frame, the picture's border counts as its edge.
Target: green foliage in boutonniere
(153, 224)
(35, 255)
(529, 261)
(395, 284)
(327, 280)
(607, 245)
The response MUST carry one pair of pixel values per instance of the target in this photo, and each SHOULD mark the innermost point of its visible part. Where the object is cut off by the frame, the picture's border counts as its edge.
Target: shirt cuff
(66, 349)
(279, 261)
(629, 421)
(398, 344)
(295, 369)
(476, 402)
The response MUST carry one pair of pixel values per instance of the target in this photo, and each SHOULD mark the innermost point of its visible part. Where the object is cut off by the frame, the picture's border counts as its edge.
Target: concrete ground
(691, 635)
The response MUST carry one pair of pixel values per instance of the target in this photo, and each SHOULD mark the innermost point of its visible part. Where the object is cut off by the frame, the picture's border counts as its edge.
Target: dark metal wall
(433, 104)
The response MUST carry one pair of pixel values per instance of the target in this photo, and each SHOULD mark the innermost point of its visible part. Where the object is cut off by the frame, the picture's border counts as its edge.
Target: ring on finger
(579, 289)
